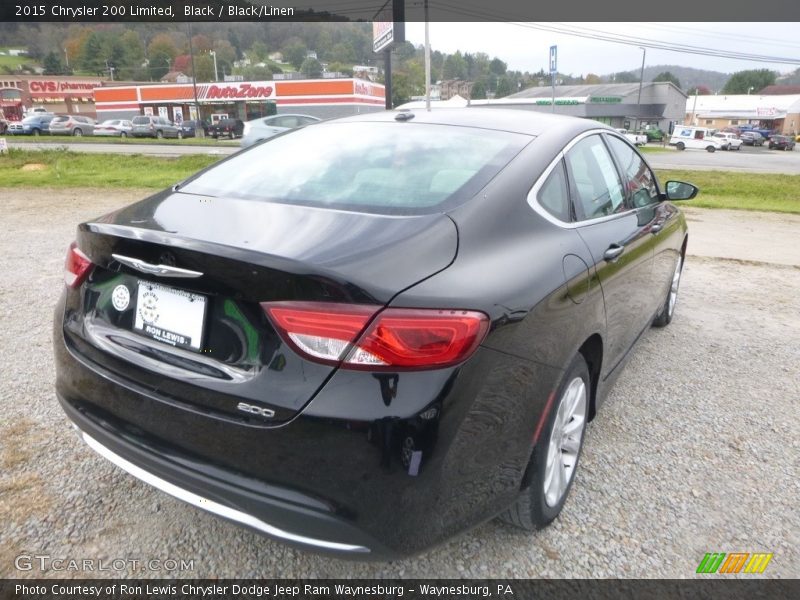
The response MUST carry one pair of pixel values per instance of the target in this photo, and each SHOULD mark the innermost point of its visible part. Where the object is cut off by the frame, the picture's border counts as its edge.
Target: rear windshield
(141, 120)
(403, 168)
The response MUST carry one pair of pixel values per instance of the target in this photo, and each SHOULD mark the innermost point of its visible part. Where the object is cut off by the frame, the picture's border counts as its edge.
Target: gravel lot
(697, 449)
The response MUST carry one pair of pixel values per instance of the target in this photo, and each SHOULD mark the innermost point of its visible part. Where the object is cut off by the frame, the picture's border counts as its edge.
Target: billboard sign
(388, 26)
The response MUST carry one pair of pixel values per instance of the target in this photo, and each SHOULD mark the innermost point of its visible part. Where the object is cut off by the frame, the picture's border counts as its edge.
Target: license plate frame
(170, 315)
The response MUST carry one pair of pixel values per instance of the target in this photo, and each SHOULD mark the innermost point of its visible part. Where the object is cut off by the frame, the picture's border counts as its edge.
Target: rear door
(618, 240)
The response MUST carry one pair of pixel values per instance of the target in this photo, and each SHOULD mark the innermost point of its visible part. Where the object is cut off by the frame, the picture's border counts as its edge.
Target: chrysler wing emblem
(157, 270)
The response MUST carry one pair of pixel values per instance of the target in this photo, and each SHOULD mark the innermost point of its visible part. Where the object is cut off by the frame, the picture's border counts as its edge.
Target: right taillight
(76, 266)
(394, 339)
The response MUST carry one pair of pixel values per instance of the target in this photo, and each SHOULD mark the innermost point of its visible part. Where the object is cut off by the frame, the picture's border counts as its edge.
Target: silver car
(76, 125)
(114, 127)
(263, 128)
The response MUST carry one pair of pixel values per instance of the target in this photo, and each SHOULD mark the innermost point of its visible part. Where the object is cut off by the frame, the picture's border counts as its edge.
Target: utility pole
(387, 69)
(66, 57)
(198, 130)
(214, 54)
(641, 82)
(427, 62)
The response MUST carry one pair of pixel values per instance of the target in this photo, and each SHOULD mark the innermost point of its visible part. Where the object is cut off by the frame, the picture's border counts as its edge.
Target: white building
(775, 112)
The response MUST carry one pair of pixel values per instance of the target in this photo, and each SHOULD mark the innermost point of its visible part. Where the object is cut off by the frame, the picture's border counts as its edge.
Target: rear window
(141, 120)
(402, 168)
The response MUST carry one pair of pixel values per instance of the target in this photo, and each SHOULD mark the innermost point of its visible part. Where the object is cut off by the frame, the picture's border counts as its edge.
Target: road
(748, 159)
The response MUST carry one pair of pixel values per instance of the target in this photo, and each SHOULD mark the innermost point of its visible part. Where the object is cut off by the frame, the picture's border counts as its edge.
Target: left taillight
(355, 337)
(76, 266)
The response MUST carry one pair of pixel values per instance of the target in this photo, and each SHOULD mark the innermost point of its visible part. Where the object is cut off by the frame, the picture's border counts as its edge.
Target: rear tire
(159, 134)
(123, 134)
(180, 135)
(680, 146)
(559, 445)
(664, 317)
(37, 132)
(711, 149)
(77, 133)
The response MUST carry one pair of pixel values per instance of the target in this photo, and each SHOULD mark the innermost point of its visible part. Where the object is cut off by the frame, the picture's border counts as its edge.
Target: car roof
(529, 122)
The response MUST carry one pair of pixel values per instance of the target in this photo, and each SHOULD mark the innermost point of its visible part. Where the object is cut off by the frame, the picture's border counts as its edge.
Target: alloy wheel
(565, 442)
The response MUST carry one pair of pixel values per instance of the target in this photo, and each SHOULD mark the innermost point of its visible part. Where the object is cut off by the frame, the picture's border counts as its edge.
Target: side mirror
(680, 190)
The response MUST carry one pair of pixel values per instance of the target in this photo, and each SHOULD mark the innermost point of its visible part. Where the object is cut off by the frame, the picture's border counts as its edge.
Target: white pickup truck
(637, 139)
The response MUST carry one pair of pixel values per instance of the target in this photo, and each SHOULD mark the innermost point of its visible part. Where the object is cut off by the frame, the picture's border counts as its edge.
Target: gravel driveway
(696, 450)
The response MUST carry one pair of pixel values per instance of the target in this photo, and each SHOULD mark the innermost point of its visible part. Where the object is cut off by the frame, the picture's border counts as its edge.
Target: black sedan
(396, 332)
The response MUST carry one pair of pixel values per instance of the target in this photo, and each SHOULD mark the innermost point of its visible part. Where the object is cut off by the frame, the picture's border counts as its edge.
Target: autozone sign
(236, 91)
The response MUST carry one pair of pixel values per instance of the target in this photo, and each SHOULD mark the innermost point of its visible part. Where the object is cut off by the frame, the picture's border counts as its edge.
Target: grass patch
(61, 168)
(90, 139)
(654, 149)
(740, 191)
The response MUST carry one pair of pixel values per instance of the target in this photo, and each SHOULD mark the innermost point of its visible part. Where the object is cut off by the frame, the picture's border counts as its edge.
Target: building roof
(780, 90)
(744, 105)
(577, 91)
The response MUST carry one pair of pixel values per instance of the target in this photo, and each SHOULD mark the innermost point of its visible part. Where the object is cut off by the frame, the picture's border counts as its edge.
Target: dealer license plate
(170, 315)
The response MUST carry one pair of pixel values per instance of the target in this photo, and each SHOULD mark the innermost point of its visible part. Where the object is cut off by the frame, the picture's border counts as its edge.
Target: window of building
(734, 121)
(709, 122)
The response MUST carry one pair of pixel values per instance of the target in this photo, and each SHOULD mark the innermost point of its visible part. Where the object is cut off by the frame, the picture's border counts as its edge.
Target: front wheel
(123, 134)
(711, 149)
(664, 317)
(180, 135)
(159, 134)
(680, 146)
(77, 133)
(556, 454)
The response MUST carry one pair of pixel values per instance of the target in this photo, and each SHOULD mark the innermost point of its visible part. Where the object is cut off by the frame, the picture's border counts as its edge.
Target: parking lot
(748, 159)
(696, 450)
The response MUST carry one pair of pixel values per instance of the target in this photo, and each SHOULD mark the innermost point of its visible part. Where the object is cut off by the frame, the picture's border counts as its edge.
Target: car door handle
(613, 253)
(654, 229)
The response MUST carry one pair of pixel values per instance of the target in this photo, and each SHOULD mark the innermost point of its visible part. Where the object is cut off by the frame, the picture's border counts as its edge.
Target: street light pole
(641, 82)
(427, 62)
(198, 130)
(214, 54)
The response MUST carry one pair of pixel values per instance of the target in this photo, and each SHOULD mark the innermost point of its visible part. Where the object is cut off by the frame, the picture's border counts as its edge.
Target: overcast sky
(526, 49)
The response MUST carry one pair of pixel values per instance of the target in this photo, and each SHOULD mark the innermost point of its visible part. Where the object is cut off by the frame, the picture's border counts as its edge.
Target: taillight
(76, 266)
(395, 339)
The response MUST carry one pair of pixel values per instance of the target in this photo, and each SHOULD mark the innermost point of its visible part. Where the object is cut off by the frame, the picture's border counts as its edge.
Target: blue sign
(553, 67)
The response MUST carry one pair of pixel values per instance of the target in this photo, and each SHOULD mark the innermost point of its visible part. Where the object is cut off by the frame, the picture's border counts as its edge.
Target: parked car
(76, 125)
(35, 124)
(728, 141)
(114, 128)
(3, 124)
(155, 127)
(765, 133)
(229, 128)
(190, 127)
(701, 138)
(338, 338)
(781, 142)
(264, 128)
(654, 135)
(752, 138)
(638, 139)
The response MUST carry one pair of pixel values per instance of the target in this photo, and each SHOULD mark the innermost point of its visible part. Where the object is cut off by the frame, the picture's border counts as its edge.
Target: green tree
(90, 58)
(294, 52)
(52, 64)
(161, 51)
(750, 81)
(258, 51)
(311, 67)
(204, 67)
(342, 53)
(667, 76)
(497, 66)
(455, 66)
(592, 79)
(478, 91)
(503, 88)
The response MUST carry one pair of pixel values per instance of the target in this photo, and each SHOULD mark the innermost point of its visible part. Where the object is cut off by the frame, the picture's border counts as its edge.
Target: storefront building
(774, 112)
(246, 100)
(662, 105)
(63, 95)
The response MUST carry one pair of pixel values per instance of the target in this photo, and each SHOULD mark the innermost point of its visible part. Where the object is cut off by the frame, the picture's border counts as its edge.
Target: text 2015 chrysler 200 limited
(371, 334)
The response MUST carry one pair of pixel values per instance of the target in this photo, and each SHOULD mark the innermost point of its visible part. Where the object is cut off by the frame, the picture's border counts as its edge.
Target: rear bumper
(300, 523)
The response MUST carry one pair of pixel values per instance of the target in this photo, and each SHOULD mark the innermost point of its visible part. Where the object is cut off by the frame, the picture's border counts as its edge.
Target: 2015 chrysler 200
(370, 334)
